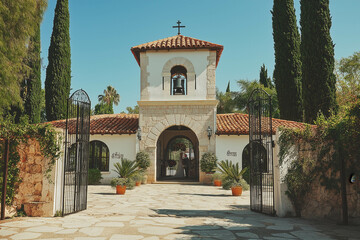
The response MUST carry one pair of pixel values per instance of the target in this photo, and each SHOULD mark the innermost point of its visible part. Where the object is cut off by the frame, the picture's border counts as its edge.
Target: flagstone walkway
(170, 211)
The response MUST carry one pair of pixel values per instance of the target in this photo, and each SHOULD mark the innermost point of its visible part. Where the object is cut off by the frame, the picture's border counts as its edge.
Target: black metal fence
(261, 153)
(76, 159)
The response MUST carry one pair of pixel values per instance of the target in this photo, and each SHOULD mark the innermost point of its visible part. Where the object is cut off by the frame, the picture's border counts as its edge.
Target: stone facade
(155, 117)
(35, 191)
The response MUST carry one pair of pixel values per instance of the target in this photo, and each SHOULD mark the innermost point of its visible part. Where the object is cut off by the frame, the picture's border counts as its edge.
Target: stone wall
(319, 201)
(35, 191)
(324, 203)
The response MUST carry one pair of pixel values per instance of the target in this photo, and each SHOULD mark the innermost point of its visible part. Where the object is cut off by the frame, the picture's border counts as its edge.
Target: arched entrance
(177, 156)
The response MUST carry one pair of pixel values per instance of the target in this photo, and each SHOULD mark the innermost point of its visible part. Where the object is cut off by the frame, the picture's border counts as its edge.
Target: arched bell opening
(177, 155)
(178, 80)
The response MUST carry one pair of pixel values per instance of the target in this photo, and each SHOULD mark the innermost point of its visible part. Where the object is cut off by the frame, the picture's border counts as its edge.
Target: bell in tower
(178, 76)
(178, 85)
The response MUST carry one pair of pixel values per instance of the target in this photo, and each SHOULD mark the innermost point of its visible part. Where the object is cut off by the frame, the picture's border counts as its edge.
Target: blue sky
(102, 33)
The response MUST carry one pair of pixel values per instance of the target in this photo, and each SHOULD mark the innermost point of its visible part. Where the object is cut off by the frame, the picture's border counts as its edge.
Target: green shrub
(137, 177)
(130, 184)
(228, 183)
(118, 181)
(208, 162)
(126, 168)
(143, 160)
(94, 176)
(217, 176)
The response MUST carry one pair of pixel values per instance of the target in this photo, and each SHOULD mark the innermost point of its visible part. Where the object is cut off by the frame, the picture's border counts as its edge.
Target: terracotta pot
(138, 183)
(236, 191)
(217, 183)
(120, 189)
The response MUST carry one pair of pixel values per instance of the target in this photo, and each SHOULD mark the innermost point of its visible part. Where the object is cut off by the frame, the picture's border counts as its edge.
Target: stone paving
(170, 211)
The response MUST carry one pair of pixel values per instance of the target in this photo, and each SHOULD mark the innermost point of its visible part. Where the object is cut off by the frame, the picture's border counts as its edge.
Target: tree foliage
(226, 102)
(18, 21)
(58, 71)
(287, 72)
(246, 88)
(110, 96)
(33, 82)
(106, 101)
(317, 53)
(103, 108)
(264, 79)
(348, 80)
(134, 110)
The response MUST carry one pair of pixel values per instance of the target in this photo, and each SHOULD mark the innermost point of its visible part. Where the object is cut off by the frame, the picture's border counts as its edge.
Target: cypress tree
(33, 83)
(264, 79)
(228, 87)
(317, 52)
(287, 72)
(58, 71)
(18, 22)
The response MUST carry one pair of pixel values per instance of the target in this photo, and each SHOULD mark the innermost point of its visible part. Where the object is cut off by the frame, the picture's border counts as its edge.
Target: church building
(177, 115)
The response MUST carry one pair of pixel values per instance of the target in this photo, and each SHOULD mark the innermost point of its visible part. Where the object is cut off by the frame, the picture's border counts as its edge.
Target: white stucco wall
(155, 64)
(231, 147)
(123, 145)
(283, 205)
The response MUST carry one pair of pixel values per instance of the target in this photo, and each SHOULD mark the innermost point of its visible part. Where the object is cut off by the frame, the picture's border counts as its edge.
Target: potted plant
(233, 174)
(143, 161)
(208, 162)
(137, 178)
(125, 170)
(217, 179)
(119, 184)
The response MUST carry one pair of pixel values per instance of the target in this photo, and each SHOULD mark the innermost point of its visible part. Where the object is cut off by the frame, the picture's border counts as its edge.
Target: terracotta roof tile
(238, 124)
(227, 124)
(106, 124)
(177, 42)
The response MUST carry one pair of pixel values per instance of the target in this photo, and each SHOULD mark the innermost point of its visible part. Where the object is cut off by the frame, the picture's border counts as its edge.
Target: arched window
(178, 80)
(260, 154)
(99, 156)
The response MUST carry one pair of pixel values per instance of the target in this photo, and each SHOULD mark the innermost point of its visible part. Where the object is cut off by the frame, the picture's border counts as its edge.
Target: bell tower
(177, 92)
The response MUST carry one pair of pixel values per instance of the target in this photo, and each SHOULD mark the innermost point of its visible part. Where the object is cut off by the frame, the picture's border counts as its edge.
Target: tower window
(178, 80)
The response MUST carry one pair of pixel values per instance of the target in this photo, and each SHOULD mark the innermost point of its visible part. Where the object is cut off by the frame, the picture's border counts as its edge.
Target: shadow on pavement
(220, 224)
(205, 195)
(105, 193)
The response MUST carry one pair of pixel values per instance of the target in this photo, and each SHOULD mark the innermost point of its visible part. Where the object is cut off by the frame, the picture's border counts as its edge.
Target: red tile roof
(106, 124)
(177, 42)
(227, 124)
(238, 124)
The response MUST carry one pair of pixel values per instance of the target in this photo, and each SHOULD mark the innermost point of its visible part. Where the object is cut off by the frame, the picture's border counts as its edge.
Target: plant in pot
(143, 161)
(208, 162)
(217, 179)
(233, 176)
(125, 170)
(137, 178)
(119, 184)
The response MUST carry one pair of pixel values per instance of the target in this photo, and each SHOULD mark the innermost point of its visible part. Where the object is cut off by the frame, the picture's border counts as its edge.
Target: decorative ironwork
(178, 26)
(261, 153)
(76, 160)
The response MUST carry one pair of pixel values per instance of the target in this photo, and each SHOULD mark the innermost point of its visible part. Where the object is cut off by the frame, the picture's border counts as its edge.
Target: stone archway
(177, 155)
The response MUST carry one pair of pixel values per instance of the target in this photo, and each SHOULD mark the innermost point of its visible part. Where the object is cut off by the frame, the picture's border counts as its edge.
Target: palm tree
(110, 96)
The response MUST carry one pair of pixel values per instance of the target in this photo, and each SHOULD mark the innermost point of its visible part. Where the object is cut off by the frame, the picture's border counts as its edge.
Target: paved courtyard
(170, 211)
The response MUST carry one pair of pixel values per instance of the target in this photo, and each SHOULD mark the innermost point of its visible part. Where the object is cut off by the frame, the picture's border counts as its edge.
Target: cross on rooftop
(178, 26)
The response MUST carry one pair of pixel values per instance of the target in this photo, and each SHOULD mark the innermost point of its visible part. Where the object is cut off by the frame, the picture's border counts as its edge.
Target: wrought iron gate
(261, 153)
(76, 159)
